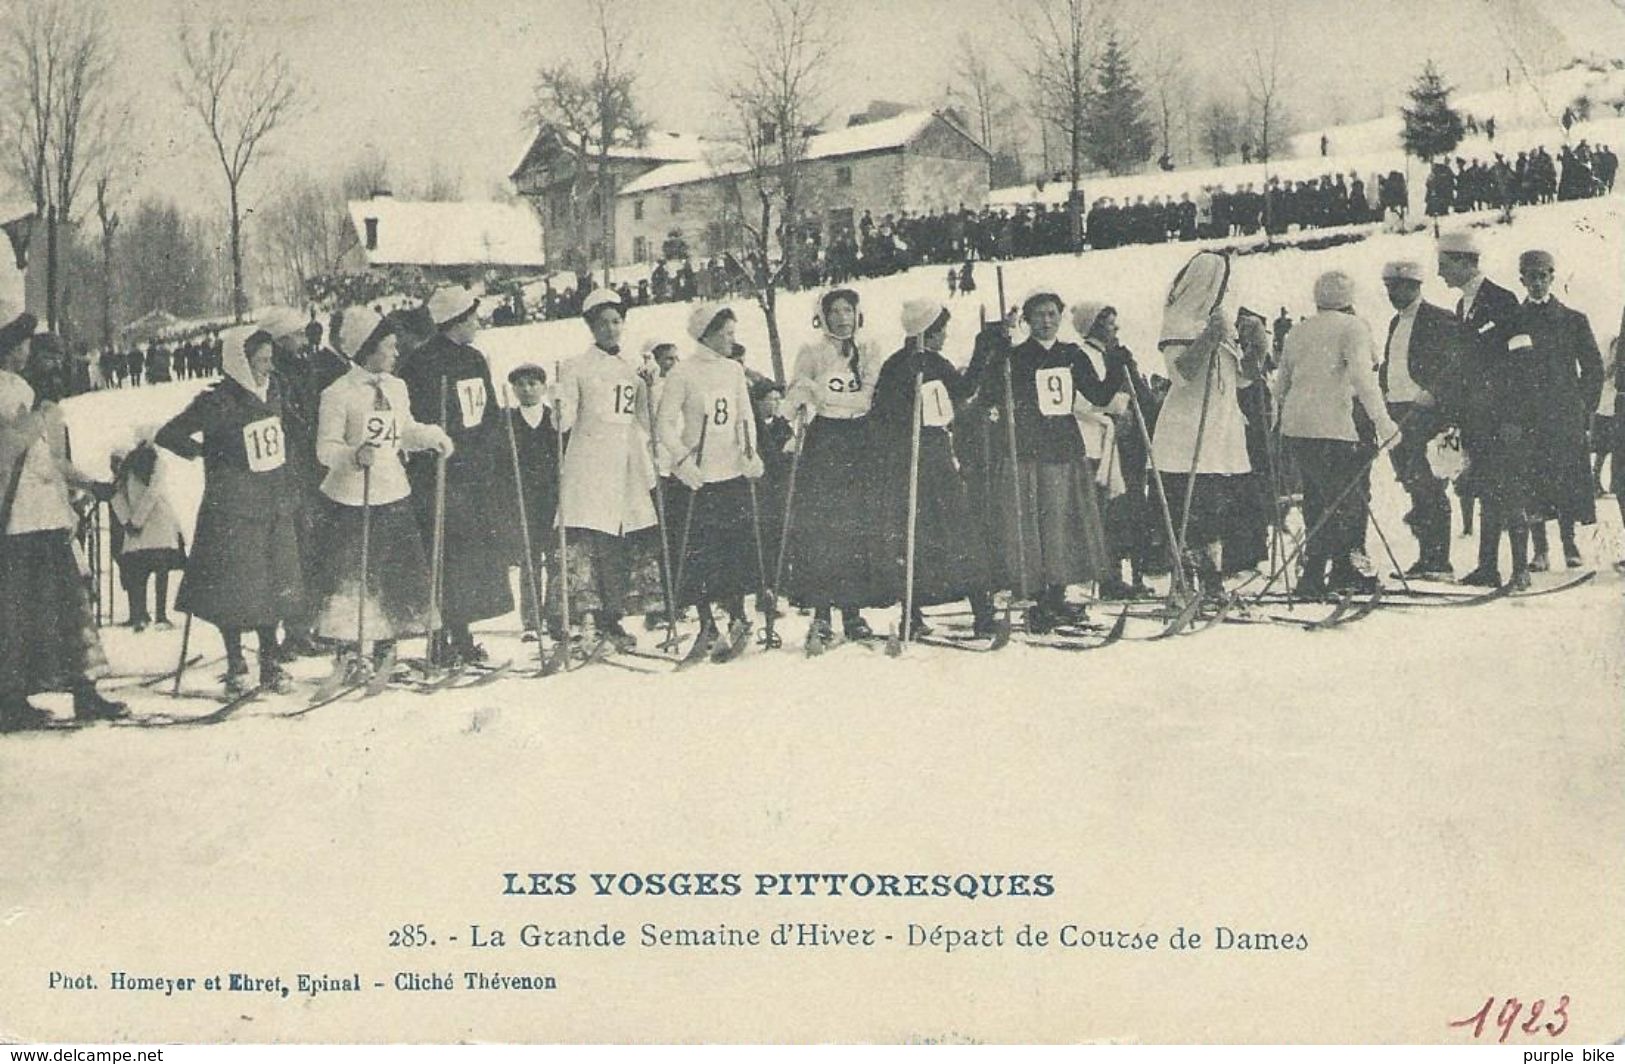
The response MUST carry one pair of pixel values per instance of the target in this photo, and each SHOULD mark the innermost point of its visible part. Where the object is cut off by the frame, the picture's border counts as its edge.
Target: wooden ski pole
(180, 666)
(366, 547)
(660, 519)
(1015, 465)
(527, 571)
(438, 546)
(770, 637)
(563, 655)
(1178, 569)
(1196, 451)
(917, 409)
(698, 455)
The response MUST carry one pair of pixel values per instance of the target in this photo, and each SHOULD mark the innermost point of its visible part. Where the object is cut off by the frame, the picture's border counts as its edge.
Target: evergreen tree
(1119, 134)
(1432, 126)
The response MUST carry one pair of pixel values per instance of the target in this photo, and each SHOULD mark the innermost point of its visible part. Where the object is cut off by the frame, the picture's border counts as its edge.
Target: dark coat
(244, 570)
(444, 376)
(539, 474)
(950, 553)
(1562, 378)
(1048, 438)
(1434, 357)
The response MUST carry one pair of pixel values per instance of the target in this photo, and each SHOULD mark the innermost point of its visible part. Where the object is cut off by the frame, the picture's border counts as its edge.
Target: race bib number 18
(471, 398)
(1054, 391)
(262, 442)
(936, 409)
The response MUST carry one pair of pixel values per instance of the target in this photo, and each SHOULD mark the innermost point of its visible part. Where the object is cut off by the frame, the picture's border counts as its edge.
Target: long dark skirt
(1062, 538)
(837, 552)
(1212, 505)
(611, 576)
(244, 571)
(721, 559)
(950, 550)
(397, 574)
(48, 639)
(481, 523)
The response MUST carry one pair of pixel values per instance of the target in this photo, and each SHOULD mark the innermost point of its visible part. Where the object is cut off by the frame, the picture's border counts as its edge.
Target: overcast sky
(426, 80)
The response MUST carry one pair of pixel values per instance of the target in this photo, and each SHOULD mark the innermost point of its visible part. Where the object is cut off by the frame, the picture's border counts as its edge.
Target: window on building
(640, 248)
(843, 177)
(677, 203)
(372, 233)
(637, 210)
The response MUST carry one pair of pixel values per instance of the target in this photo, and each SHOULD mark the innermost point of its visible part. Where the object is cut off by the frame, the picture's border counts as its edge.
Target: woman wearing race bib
(244, 570)
(605, 495)
(450, 385)
(836, 555)
(950, 556)
(706, 436)
(1201, 428)
(365, 423)
(1060, 538)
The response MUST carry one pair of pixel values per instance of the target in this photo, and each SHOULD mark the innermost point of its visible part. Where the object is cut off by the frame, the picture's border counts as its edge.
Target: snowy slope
(1433, 797)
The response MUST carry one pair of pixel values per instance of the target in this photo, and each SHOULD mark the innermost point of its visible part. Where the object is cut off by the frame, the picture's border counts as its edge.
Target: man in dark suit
(1491, 415)
(1421, 356)
(1564, 383)
(537, 447)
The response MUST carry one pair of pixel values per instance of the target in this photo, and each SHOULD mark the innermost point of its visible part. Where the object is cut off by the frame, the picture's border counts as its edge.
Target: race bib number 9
(1054, 391)
(471, 398)
(262, 442)
(936, 409)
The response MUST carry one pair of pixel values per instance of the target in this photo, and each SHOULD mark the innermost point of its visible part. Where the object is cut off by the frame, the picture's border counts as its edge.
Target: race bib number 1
(1054, 391)
(936, 409)
(471, 398)
(262, 442)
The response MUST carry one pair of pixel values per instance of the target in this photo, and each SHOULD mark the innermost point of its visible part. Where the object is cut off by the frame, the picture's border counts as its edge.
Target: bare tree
(242, 95)
(56, 65)
(1221, 130)
(1061, 38)
(774, 103)
(1264, 77)
(441, 184)
(1168, 72)
(597, 109)
(978, 88)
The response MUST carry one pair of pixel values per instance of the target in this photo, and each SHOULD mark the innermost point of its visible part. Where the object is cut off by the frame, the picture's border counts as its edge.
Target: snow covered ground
(1432, 797)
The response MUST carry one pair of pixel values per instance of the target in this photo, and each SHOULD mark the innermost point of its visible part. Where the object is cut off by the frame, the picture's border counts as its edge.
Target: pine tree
(1119, 136)
(1432, 126)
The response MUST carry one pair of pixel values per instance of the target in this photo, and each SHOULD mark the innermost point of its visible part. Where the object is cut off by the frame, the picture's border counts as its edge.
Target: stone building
(559, 175)
(917, 161)
(445, 241)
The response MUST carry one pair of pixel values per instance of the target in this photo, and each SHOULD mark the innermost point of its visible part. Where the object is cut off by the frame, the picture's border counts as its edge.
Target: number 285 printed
(1506, 1018)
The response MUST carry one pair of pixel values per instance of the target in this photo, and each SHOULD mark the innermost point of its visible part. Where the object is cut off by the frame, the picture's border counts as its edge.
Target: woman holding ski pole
(364, 427)
(705, 433)
(950, 558)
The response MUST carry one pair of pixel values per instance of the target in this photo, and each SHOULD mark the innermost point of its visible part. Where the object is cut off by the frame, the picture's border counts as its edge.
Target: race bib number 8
(262, 442)
(936, 409)
(1054, 391)
(471, 398)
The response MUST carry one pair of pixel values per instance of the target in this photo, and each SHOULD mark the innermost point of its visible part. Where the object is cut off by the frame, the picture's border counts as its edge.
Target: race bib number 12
(471, 398)
(936, 409)
(1054, 391)
(262, 442)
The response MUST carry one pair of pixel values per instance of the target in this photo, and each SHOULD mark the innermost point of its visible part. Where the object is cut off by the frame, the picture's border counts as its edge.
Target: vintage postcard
(793, 521)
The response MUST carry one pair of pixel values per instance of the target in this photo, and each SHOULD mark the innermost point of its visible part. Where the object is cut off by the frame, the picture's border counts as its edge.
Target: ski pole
(438, 546)
(180, 666)
(1196, 451)
(1178, 569)
(366, 545)
(660, 518)
(917, 408)
(1015, 466)
(766, 603)
(1404, 583)
(527, 571)
(698, 454)
(770, 637)
(563, 655)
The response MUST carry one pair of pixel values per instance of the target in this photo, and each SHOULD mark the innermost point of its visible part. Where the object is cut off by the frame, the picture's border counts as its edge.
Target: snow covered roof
(886, 135)
(659, 146)
(411, 233)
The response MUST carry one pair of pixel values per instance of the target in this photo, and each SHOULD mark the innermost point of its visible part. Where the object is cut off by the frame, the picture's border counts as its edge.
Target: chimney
(372, 233)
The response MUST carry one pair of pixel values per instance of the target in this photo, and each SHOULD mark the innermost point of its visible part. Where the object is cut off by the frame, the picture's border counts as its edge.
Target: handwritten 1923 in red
(1506, 1018)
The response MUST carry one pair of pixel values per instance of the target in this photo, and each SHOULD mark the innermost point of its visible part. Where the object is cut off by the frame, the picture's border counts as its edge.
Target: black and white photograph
(792, 522)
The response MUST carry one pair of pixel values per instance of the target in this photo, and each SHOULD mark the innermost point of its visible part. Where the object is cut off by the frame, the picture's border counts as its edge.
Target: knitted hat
(1334, 290)
(704, 315)
(356, 325)
(919, 315)
(451, 303)
(601, 297)
(1086, 314)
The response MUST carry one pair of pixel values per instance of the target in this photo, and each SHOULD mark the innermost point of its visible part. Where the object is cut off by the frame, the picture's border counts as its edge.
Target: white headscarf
(1196, 291)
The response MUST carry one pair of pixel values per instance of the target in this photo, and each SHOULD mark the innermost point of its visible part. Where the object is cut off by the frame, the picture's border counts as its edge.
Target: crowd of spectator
(161, 361)
(1578, 172)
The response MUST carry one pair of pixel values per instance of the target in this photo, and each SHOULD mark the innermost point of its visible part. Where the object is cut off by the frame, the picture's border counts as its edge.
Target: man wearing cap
(605, 499)
(1420, 360)
(1329, 358)
(449, 382)
(1562, 385)
(1494, 441)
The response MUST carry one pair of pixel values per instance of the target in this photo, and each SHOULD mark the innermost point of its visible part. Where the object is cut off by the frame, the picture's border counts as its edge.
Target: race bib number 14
(262, 442)
(471, 398)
